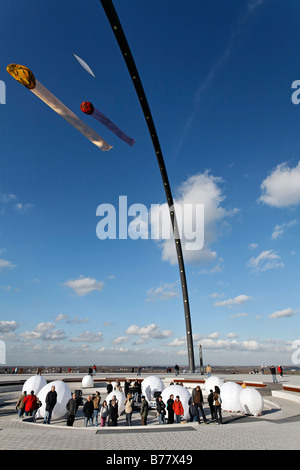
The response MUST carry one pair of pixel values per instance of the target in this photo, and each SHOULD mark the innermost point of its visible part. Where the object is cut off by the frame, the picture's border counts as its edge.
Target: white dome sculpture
(230, 396)
(251, 401)
(120, 399)
(35, 383)
(87, 381)
(211, 382)
(184, 396)
(63, 395)
(150, 385)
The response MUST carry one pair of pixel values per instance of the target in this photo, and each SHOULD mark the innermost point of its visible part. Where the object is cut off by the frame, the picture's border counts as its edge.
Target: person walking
(103, 413)
(88, 410)
(20, 405)
(161, 410)
(217, 405)
(71, 407)
(170, 409)
(210, 399)
(178, 409)
(51, 399)
(128, 409)
(113, 413)
(144, 411)
(96, 402)
(198, 402)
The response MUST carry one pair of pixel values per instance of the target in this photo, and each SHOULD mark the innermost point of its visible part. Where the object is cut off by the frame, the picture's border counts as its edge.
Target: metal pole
(123, 44)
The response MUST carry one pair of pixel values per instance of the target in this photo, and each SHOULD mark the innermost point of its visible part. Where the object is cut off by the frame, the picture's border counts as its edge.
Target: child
(178, 409)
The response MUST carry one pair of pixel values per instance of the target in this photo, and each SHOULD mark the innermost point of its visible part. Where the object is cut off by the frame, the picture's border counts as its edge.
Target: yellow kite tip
(22, 74)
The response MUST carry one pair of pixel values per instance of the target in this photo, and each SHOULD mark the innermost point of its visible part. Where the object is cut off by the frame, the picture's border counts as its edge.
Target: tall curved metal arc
(123, 44)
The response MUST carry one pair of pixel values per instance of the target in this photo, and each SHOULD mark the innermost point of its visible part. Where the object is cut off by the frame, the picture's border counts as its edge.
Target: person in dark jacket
(71, 408)
(161, 410)
(113, 413)
(198, 402)
(88, 411)
(51, 399)
(144, 411)
(170, 409)
(109, 388)
(20, 406)
(210, 400)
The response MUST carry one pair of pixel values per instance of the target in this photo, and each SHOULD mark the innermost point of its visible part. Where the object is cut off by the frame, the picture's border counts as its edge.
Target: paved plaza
(278, 428)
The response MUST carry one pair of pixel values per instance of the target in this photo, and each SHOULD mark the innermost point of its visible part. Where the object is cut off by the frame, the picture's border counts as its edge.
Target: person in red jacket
(178, 409)
(30, 404)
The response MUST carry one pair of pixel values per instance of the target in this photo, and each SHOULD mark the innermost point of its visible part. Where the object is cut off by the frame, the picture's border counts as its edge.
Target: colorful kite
(87, 108)
(25, 77)
(84, 65)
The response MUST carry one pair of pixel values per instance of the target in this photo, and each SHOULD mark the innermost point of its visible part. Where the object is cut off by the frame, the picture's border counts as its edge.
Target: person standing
(273, 372)
(178, 409)
(71, 407)
(128, 409)
(88, 410)
(113, 413)
(170, 409)
(198, 402)
(30, 403)
(103, 413)
(51, 399)
(144, 411)
(109, 388)
(217, 405)
(20, 406)
(208, 371)
(176, 369)
(161, 410)
(96, 402)
(210, 400)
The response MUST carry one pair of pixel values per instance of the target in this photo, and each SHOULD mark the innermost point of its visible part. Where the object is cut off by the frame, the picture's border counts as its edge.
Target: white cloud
(7, 326)
(5, 198)
(240, 299)
(282, 187)
(253, 246)
(120, 340)
(4, 264)
(88, 337)
(198, 189)
(280, 229)
(148, 332)
(84, 285)
(23, 208)
(44, 331)
(163, 292)
(287, 312)
(266, 260)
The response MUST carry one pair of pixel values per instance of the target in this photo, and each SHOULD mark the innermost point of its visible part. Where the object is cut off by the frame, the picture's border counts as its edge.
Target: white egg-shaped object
(211, 382)
(63, 396)
(150, 385)
(184, 396)
(230, 396)
(87, 381)
(120, 397)
(251, 401)
(35, 383)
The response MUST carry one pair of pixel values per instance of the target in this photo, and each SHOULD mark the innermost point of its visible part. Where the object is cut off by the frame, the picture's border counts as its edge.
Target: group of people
(27, 405)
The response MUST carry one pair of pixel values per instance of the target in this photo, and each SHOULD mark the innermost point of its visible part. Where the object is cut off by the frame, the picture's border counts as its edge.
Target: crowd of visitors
(107, 413)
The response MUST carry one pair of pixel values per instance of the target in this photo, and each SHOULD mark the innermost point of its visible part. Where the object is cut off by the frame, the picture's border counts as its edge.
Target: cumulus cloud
(148, 332)
(88, 336)
(163, 292)
(201, 189)
(7, 326)
(44, 331)
(287, 312)
(240, 299)
(266, 260)
(280, 229)
(4, 264)
(84, 285)
(282, 187)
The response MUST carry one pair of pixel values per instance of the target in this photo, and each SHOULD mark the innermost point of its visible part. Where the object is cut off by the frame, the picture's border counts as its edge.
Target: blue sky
(218, 77)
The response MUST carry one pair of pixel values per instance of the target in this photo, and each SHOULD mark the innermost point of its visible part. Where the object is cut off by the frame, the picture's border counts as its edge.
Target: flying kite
(24, 76)
(85, 65)
(88, 108)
